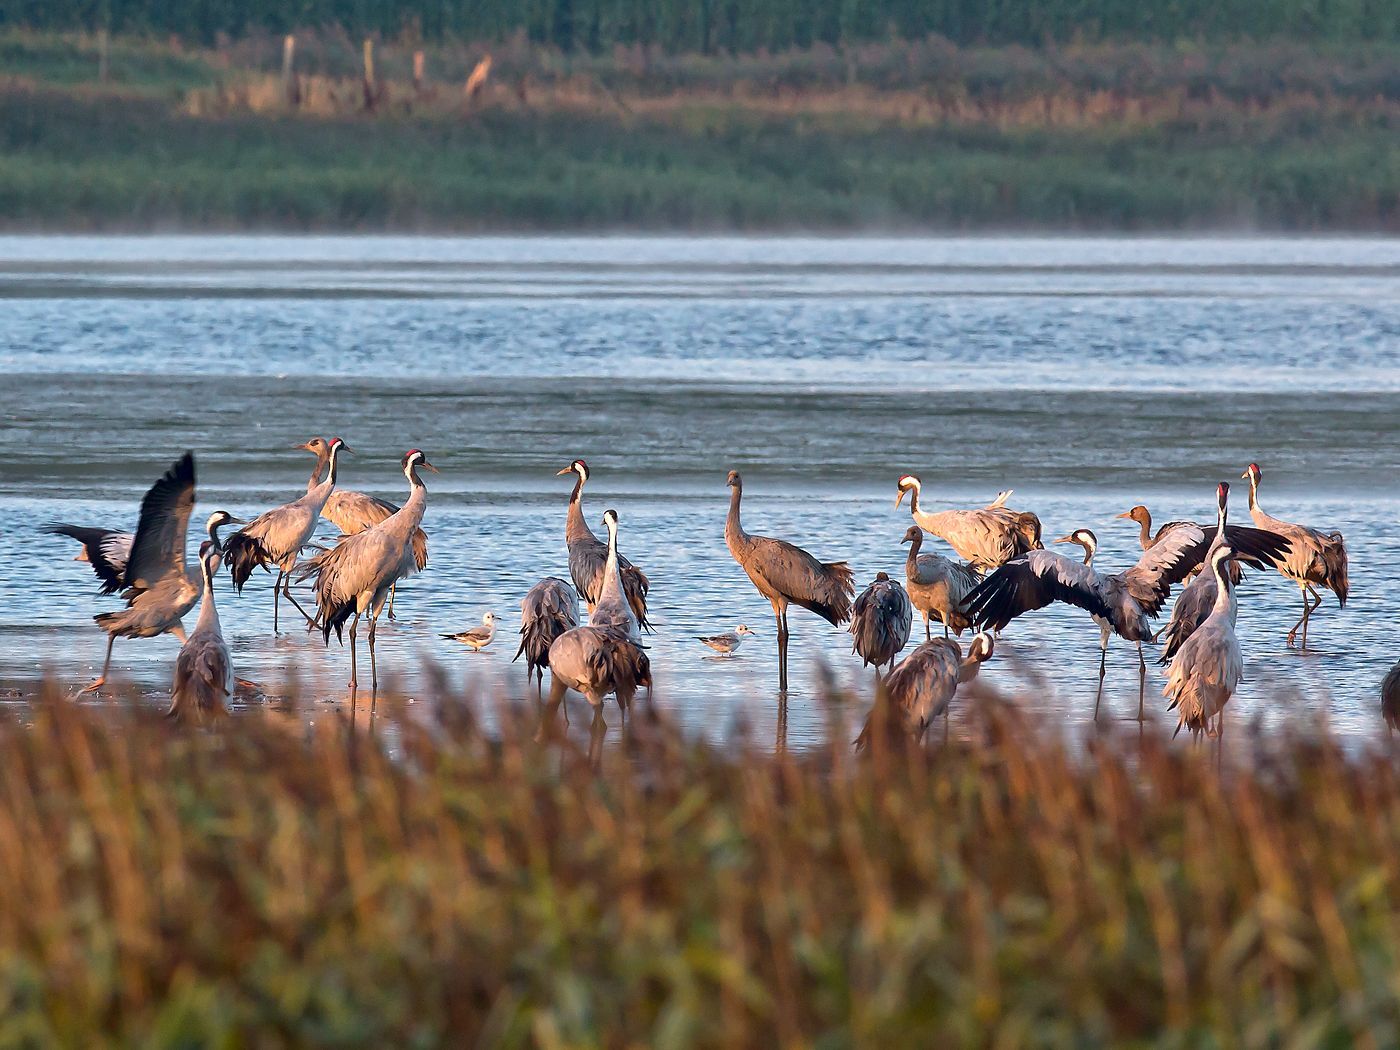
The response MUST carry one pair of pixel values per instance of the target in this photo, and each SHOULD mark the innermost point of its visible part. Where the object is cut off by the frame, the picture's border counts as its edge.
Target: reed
(423, 881)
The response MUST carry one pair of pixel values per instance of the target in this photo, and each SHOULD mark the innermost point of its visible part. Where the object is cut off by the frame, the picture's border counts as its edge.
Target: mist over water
(1089, 375)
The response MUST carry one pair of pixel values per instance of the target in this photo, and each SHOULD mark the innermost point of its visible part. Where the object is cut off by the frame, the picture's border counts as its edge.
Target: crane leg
(393, 589)
(373, 666)
(1142, 679)
(276, 597)
(1302, 620)
(782, 650)
(784, 643)
(1308, 610)
(102, 679)
(287, 590)
(1103, 669)
(928, 631)
(354, 678)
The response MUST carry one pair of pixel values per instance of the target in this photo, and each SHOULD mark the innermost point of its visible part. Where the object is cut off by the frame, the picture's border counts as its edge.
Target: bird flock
(1002, 571)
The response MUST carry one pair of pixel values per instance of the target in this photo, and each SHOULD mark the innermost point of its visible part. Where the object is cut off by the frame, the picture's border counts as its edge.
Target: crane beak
(235, 521)
(1125, 514)
(561, 473)
(428, 466)
(900, 498)
(1064, 539)
(305, 446)
(346, 448)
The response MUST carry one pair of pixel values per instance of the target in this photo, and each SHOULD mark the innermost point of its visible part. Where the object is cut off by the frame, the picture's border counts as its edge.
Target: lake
(1087, 374)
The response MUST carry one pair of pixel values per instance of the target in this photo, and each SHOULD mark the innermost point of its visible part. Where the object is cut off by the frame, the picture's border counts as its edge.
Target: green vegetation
(726, 25)
(1278, 136)
(265, 882)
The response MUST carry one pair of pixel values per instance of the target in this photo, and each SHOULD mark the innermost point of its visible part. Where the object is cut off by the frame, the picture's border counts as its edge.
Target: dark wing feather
(1169, 560)
(1031, 582)
(1258, 548)
(159, 546)
(100, 546)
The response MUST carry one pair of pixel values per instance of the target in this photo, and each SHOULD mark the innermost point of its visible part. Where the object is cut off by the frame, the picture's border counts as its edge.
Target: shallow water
(1087, 374)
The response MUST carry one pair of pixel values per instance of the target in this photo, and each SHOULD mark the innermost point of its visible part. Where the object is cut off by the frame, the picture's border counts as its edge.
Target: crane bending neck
(733, 527)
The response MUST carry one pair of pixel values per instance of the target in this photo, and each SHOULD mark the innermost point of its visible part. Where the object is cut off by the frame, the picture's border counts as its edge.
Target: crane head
(209, 557)
(316, 446)
(610, 519)
(1253, 474)
(339, 445)
(1084, 537)
(414, 458)
(733, 481)
(578, 467)
(907, 483)
(1222, 494)
(1138, 514)
(981, 648)
(912, 533)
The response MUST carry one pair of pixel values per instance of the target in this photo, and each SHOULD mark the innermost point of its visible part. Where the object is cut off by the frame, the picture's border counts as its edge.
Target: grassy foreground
(920, 135)
(264, 884)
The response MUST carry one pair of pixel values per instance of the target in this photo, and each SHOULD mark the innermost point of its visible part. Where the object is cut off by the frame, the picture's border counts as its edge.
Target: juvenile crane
(1197, 598)
(204, 677)
(549, 609)
(881, 618)
(937, 585)
(353, 578)
(1143, 517)
(922, 686)
(785, 575)
(277, 537)
(987, 537)
(1209, 665)
(1313, 558)
(588, 555)
(353, 512)
(158, 586)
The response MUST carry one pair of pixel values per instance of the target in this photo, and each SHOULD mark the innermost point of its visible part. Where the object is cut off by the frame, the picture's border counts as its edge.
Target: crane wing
(1033, 581)
(159, 546)
(106, 550)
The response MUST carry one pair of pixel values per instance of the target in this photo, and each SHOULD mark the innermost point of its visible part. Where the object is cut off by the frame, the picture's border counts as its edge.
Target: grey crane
(786, 575)
(922, 686)
(476, 638)
(726, 644)
(204, 678)
(353, 578)
(1209, 665)
(549, 609)
(108, 550)
(588, 554)
(1313, 558)
(881, 618)
(158, 586)
(1193, 605)
(278, 536)
(1121, 603)
(353, 512)
(1390, 698)
(611, 607)
(987, 536)
(596, 661)
(937, 585)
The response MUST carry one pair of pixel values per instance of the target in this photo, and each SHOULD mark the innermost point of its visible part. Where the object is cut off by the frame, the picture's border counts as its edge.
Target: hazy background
(699, 115)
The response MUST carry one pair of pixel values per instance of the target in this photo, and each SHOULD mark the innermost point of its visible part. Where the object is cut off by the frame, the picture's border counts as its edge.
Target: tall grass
(425, 882)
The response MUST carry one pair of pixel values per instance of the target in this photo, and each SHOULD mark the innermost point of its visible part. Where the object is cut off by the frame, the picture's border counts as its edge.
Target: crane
(588, 554)
(1313, 559)
(937, 585)
(922, 686)
(353, 512)
(881, 618)
(548, 609)
(353, 578)
(987, 537)
(277, 537)
(204, 678)
(785, 574)
(1209, 665)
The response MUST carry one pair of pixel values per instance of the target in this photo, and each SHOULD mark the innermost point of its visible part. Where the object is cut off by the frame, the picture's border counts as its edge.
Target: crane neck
(214, 527)
(914, 491)
(1253, 494)
(323, 458)
(1220, 567)
(208, 612)
(1145, 531)
(911, 563)
(733, 527)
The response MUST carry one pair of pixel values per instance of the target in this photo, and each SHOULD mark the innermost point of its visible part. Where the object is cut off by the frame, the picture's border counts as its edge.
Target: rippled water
(1087, 374)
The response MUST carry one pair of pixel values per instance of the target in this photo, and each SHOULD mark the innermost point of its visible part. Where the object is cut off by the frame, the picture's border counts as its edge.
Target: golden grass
(429, 882)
